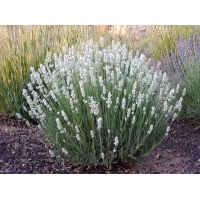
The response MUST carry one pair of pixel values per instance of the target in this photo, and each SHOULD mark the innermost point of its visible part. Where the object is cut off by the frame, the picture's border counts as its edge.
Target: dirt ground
(23, 151)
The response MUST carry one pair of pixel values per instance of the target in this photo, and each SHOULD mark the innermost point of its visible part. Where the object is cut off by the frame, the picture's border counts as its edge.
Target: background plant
(101, 106)
(183, 67)
(163, 38)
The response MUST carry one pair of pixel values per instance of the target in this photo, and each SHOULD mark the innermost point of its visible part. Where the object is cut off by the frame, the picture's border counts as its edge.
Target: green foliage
(183, 67)
(191, 103)
(101, 106)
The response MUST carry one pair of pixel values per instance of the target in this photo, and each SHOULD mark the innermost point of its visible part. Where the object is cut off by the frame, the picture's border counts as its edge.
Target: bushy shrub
(101, 106)
(183, 65)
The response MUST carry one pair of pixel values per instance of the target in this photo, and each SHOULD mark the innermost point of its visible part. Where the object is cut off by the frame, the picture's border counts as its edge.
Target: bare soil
(23, 150)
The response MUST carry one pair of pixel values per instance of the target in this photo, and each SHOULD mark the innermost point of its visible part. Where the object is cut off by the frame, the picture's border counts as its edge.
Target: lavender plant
(101, 106)
(183, 67)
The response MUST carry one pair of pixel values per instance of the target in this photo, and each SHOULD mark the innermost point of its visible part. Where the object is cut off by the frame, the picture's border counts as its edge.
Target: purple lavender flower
(185, 56)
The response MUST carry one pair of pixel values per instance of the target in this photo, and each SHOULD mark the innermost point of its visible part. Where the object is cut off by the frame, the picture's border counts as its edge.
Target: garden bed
(23, 151)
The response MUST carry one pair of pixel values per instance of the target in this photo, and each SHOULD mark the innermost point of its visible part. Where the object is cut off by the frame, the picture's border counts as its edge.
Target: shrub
(101, 106)
(183, 66)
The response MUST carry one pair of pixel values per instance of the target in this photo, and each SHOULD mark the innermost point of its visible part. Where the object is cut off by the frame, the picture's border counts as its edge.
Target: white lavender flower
(92, 133)
(170, 109)
(116, 142)
(128, 112)
(109, 101)
(71, 103)
(133, 108)
(144, 110)
(150, 129)
(133, 120)
(59, 126)
(94, 106)
(167, 130)
(121, 83)
(102, 155)
(30, 87)
(39, 126)
(171, 95)
(51, 92)
(177, 88)
(18, 116)
(101, 81)
(174, 117)
(184, 92)
(179, 104)
(123, 103)
(42, 116)
(27, 123)
(39, 108)
(25, 109)
(134, 88)
(82, 89)
(77, 129)
(99, 122)
(78, 137)
(64, 115)
(165, 106)
(63, 130)
(117, 100)
(140, 99)
(64, 151)
(24, 92)
(112, 77)
(104, 89)
(73, 95)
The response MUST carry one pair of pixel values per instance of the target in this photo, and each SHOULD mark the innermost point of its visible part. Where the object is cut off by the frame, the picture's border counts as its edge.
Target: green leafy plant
(101, 106)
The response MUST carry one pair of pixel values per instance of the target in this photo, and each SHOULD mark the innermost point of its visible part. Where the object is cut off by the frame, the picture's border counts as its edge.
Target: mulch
(23, 150)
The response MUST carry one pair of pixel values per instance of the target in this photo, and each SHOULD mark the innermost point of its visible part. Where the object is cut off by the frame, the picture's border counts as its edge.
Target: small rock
(169, 150)
(157, 155)
(199, 160)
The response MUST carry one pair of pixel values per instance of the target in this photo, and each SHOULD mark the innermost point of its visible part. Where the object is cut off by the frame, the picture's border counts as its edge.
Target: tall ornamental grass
(183, 65)
(100, 105)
